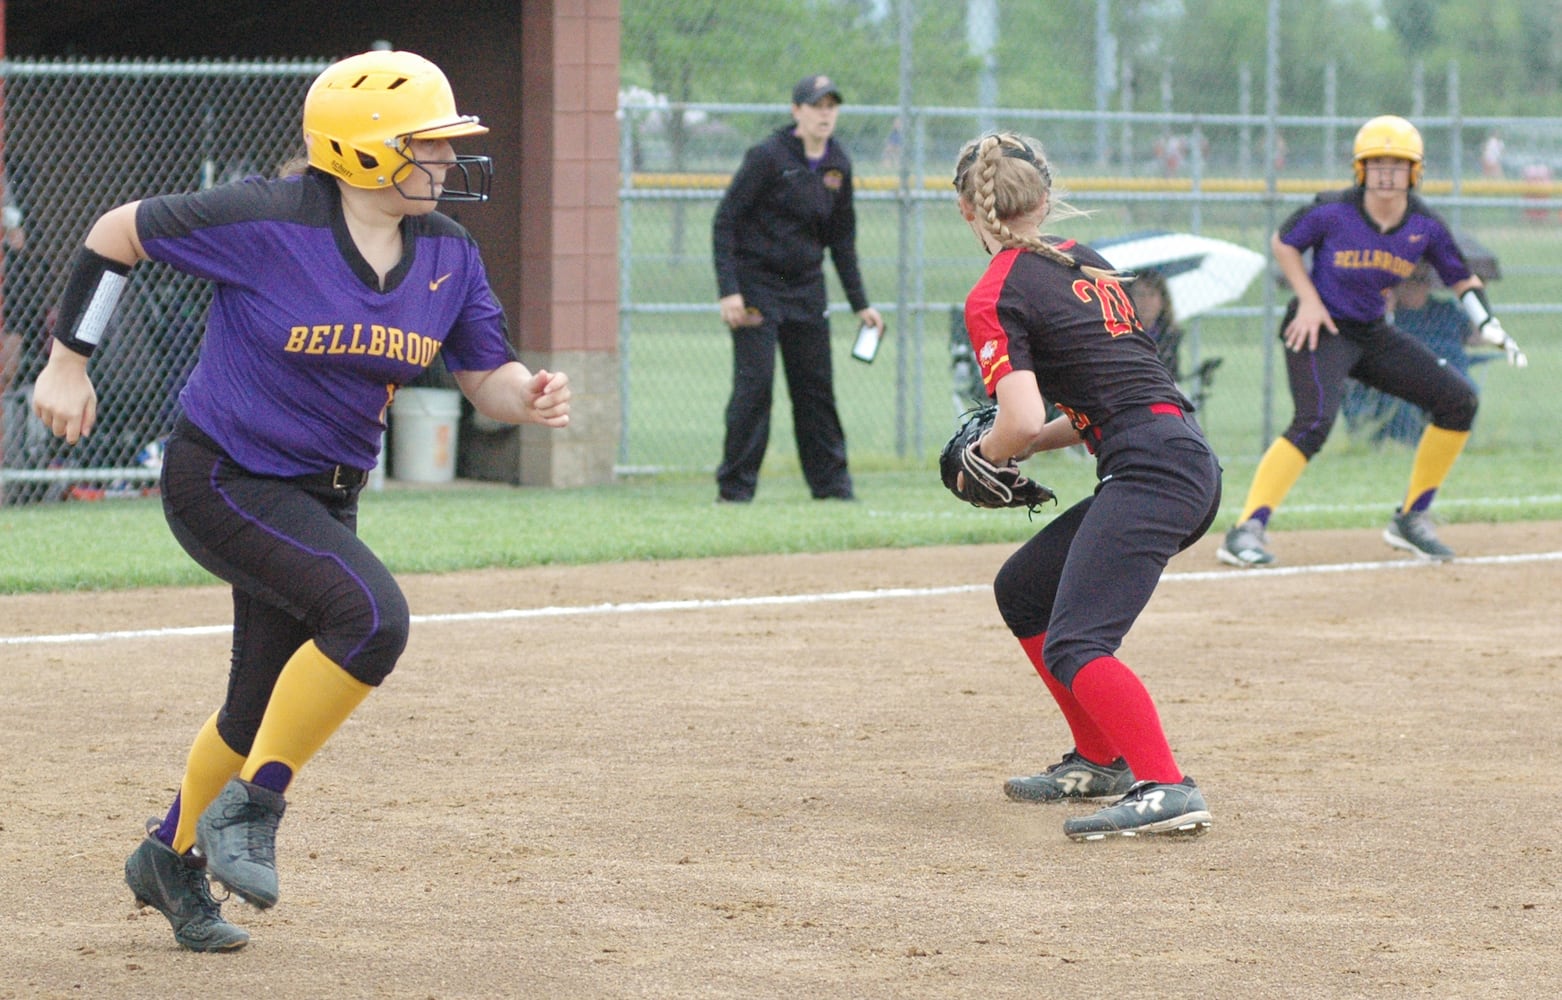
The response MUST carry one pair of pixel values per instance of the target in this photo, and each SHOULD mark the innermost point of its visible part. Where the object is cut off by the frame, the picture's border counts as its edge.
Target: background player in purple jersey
(330, 290)
(1050, 321)
(1364, 240)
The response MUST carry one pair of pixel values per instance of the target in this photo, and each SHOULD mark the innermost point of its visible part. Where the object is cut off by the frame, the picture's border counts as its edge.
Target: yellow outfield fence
(1474, 187)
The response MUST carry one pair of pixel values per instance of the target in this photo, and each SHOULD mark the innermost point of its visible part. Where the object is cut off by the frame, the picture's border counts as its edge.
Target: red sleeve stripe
(988, 338)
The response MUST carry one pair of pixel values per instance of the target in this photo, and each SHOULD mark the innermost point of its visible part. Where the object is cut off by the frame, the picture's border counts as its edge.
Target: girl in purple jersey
(330, 290)
(1364, 240)
(1050, 321)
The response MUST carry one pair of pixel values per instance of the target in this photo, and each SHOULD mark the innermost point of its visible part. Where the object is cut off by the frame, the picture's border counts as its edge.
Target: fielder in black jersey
(1365, 240)
(330, 290)
(790, 200)
(1050, 321)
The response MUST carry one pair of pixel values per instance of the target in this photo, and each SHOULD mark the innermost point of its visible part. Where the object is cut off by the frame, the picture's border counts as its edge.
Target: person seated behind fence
(13, 243)
(1153, 304)
(1438, 322)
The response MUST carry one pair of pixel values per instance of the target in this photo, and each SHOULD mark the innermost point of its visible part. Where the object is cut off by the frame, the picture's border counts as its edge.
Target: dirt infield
(798, 794)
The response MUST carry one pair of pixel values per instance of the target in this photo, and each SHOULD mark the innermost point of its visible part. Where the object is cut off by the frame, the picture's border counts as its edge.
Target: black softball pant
(794, 321)
(1378, 355)
(290, 550)
(1085, 578)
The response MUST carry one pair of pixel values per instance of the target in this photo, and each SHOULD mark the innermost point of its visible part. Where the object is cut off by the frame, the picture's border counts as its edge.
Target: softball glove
(979, 482)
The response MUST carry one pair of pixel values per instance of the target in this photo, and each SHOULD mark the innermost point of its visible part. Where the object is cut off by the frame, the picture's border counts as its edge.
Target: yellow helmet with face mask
(1392, 136)
(362, 113)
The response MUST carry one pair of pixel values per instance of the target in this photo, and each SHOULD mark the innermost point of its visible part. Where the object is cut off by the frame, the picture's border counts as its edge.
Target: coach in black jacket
(791, 198)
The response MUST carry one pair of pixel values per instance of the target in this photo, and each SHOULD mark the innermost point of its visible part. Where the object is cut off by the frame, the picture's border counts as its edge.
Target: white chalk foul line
(772, 600)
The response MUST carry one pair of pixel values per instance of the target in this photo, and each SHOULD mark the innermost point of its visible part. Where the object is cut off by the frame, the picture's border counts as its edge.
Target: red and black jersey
(1078, 335)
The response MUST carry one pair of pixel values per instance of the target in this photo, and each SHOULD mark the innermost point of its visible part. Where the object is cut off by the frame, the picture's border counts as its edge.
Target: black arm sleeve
(91, 293)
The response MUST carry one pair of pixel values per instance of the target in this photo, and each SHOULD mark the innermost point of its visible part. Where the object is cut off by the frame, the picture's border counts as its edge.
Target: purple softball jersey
(303, 349)
(1354, 262)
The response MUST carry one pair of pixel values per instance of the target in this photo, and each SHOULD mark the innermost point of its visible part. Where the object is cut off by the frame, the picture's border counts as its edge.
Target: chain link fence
(81, 137)
(1228, 177)
(1216, 123)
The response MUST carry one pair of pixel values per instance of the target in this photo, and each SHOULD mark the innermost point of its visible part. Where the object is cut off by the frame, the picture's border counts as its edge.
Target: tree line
(1046, 53)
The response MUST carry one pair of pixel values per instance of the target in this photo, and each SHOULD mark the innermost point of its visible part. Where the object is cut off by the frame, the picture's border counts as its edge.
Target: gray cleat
(1245, 545)
(175, 885)
(1073, 777)
(238, 835)
(1414, 533)
(1150, 807)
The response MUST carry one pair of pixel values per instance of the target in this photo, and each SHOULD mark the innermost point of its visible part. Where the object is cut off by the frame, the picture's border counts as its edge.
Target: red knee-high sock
(1118, 703)
(1089, 741)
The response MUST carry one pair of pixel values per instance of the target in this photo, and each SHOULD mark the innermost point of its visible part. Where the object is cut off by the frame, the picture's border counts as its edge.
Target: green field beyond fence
(898, 410)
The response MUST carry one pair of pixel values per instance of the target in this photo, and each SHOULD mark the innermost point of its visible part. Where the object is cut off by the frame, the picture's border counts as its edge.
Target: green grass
(119, 544)
(897, 413)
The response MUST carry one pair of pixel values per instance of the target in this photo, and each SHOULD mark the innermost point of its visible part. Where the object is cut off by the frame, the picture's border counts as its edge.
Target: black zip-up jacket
(778, 216)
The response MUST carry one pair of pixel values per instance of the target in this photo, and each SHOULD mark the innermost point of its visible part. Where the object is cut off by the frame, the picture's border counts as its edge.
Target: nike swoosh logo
(433, 286)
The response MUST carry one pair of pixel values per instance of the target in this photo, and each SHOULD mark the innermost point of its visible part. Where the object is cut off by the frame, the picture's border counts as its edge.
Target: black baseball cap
(811, 89)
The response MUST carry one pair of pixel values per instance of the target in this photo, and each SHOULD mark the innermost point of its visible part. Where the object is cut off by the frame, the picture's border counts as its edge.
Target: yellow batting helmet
(1388, 135)
(361, 113)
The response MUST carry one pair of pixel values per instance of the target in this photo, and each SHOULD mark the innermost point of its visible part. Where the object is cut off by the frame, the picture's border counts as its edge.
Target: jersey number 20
(1117, 309)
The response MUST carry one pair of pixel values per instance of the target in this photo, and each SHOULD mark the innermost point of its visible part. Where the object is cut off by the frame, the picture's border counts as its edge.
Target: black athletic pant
(290, 550)
(1378, 355)
(793, 319)
(1085, 578)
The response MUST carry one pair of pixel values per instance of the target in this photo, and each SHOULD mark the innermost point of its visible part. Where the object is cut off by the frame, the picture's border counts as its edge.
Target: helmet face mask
(474, 173)
(1390, 136)
(362, 114)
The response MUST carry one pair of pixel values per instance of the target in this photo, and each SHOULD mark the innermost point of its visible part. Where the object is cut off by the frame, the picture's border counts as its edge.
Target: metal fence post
(626, 258)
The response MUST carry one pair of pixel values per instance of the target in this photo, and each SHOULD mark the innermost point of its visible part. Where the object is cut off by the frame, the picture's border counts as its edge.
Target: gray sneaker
(1149, 808)
(1244, 545)
(175, 885)
(238, 835)
(1073, 777)
(1414, 533)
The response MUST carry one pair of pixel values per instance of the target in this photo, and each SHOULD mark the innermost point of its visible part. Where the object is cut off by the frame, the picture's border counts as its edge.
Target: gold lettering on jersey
(1376, 260)
(369, 339)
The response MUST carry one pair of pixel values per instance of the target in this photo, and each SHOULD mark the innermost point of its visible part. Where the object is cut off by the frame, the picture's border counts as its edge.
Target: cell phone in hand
(867, 346)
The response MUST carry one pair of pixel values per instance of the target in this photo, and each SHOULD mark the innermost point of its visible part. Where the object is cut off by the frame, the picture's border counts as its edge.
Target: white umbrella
(1201, 273)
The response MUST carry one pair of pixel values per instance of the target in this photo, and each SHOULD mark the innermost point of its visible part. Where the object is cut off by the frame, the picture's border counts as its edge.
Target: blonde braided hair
(1005, 177)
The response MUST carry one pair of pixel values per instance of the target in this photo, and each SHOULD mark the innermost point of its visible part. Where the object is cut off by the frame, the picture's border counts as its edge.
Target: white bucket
(423, 422)
(377, 474)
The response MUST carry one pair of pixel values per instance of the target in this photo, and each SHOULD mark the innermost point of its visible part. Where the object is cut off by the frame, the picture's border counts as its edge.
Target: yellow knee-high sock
(312, 699)
(1435, 457)
(211, 764)
(1280, 468)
